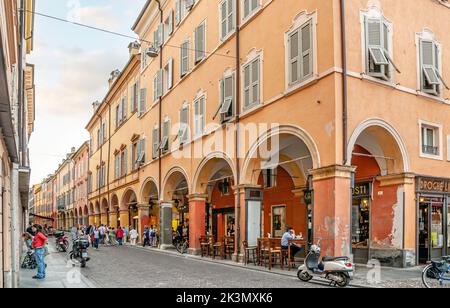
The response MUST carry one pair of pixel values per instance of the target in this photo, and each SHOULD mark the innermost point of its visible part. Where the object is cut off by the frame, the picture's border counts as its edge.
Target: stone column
(404, 220)
(97, 219)
(332, 208)
(104, 219)
(197, 221)
(91, 220)
(165, 223)
(113, 219)
(248, 217)
(124, 219)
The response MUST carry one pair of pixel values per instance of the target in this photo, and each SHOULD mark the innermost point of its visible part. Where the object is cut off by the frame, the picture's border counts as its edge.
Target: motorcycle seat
(328, 259)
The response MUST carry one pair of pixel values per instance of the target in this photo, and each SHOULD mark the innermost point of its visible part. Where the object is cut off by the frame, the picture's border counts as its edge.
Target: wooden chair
(229, 246)
(264, 252)
(249, 250)
(205, 246)
(275, 253)
(217, 248)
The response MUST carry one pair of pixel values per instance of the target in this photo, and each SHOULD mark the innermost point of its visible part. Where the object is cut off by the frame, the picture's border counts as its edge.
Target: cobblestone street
(133, 267)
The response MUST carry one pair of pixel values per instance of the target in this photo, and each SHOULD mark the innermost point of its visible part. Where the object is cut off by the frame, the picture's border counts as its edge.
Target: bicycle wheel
(432, 278)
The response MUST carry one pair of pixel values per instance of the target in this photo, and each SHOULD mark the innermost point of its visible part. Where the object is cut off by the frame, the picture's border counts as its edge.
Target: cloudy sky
(72, 69)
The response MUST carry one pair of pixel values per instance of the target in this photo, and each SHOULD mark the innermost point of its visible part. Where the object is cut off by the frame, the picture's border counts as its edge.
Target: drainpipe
(109, 163)
(344, 82)
(160, 109)
(20, 81)
(236, 145)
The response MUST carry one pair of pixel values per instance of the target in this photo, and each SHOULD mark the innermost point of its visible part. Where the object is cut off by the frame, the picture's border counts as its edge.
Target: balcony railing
(427, 149)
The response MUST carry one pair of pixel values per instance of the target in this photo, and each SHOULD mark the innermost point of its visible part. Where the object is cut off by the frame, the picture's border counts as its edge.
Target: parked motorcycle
(79, 251)
(62, 242)
(339, 271)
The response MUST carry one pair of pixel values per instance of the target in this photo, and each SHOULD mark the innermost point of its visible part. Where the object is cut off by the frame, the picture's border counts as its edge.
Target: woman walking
(96, 234)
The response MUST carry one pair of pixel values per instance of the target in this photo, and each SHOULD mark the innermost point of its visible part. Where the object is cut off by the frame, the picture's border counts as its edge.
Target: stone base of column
(166, 247)
(238, 258)
(194, 251)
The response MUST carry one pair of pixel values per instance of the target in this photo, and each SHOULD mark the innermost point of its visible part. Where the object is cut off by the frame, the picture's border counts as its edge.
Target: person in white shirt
(133, 236)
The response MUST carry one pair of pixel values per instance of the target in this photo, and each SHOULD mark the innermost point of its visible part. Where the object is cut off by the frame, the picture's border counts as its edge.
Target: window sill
(292, 89)
(430, 156)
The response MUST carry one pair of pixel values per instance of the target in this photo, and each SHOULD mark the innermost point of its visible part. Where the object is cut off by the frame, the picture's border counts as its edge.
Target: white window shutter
(143, 149)
(294, 57)
(170, 74)
(170, 26)
(132, 98)
(306, 51)
(178, 12)
(160, 83)
(142, 101)
(155, 145)
(448, 147)
(125, 163)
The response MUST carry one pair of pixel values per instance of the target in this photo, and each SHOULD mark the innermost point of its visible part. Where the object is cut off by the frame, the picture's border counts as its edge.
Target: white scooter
(339, 271)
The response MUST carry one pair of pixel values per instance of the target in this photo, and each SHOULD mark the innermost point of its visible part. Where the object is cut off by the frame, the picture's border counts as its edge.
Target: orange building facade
(229, 120)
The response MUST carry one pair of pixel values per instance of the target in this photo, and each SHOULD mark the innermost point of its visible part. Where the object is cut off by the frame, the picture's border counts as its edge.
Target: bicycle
(437, 274)
(182, 245)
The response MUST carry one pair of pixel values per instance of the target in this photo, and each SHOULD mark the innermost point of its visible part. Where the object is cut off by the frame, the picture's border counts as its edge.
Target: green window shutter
(294, 57)
(256, 81)
(155, 146)
(306, 40)
(125, 163)
(170, 74)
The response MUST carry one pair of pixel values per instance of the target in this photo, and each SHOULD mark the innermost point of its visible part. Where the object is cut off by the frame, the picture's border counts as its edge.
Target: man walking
(39, 243)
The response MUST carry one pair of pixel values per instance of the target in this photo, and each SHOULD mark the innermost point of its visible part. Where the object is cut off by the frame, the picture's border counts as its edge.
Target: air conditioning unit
(152, 52)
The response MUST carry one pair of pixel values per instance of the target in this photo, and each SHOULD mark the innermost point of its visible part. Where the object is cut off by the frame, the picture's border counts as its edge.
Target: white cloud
(98, 16)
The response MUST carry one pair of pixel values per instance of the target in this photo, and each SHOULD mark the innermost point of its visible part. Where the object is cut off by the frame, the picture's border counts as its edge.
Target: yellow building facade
(230, 120)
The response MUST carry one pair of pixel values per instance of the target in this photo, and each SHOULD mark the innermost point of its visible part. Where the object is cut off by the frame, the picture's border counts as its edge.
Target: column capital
(334, 171)
(243, 187)
(143, 206)
(197, 197)
(396, 179)
(165, 204)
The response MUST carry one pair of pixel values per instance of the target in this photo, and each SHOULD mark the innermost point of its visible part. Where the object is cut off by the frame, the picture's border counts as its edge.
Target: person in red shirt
(39, 243)
(119, 235)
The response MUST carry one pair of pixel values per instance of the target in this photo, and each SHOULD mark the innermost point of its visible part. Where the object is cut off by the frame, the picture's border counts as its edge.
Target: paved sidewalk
(365, 277)
(60, 273)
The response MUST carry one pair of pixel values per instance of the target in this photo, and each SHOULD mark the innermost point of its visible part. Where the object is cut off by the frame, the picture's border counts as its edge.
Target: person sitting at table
(290, 235)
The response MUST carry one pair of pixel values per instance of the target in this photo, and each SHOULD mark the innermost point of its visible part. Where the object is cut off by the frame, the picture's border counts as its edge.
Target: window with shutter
(250, 6)
(155, 143)
(199, 117)
(142, 102)
(300, 54)
(125, 162)
(378, 51)
(184, 58)
(431, 80)
(178, 12)
(200, 43)
(183, 132)
(227, 109)
(168, 74)
(132, 98)
(227, 18)
(160, 76)
(164, 146)
(252, 83)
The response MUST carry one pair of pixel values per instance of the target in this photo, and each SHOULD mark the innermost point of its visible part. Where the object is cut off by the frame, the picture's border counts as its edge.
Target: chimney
(134, 48)
(113, 77)
(73, 149)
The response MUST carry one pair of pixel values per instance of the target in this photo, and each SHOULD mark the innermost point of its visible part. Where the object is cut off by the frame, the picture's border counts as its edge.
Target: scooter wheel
(345, 281)
(83, 264)
(304, 276)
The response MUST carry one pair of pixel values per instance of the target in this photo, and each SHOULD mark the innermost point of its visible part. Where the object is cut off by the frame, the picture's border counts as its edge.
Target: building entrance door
(432, 224)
